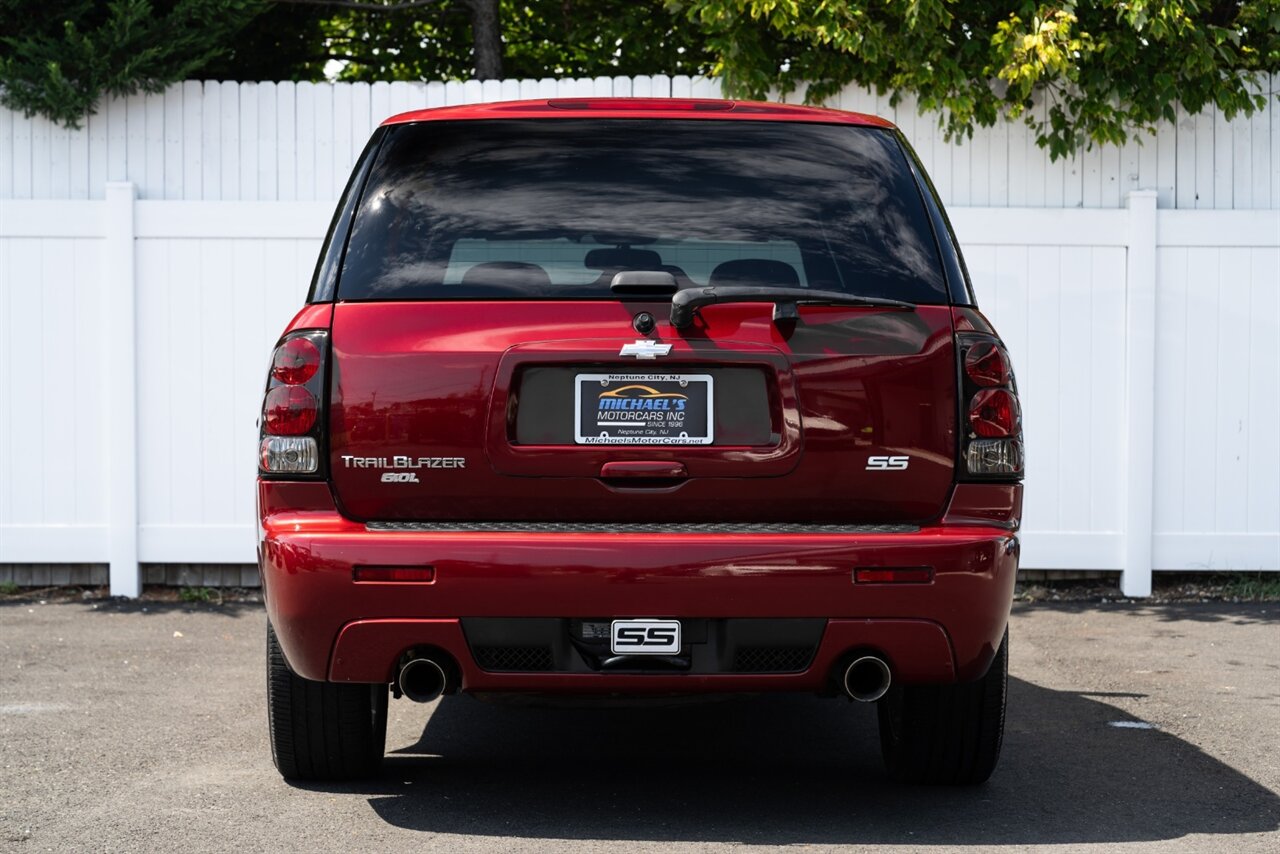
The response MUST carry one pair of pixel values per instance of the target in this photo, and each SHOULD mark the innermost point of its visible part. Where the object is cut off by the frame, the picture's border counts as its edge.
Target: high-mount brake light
(992, 446)
(987, 365)
(292, 417)
(635, 105)
(295, 361)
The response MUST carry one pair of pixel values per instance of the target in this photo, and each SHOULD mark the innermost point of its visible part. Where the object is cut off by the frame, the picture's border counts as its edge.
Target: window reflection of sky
(838, 200)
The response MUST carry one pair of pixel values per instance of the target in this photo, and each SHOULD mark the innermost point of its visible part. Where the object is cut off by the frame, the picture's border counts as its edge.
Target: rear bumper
(331, 627)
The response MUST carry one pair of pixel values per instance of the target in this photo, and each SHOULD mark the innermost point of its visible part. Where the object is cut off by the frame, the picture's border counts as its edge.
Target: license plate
(643, 409)
(645, 637)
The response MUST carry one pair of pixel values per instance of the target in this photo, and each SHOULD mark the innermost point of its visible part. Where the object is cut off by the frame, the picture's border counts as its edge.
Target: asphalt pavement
(141, 727)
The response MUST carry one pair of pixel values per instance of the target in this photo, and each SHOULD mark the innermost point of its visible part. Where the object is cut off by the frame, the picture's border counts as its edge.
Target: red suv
(639, 398)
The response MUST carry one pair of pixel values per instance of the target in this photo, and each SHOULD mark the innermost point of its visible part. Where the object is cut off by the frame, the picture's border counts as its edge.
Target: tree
(446, 40)
(59, 57)
(485, 29)
(1106, 67)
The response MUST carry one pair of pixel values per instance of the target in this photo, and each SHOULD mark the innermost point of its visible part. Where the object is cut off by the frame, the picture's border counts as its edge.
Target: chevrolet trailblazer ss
(639, 398)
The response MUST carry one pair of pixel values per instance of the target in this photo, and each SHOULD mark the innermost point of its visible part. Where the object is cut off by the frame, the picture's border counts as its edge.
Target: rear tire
(946, 734)
(322, 730)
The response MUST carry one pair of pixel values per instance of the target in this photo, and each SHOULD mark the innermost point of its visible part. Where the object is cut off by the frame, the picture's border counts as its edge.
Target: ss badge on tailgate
(887, 463)
(645, 637)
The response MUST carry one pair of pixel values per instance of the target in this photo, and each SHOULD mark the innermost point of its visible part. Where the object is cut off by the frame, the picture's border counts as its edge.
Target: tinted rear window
(554, 209)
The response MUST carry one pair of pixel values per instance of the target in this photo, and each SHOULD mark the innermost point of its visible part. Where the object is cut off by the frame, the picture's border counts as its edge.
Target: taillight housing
(991, 417)
(292, 417)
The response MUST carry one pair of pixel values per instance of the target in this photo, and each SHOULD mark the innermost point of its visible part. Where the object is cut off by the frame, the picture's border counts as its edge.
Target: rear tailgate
(483, 411)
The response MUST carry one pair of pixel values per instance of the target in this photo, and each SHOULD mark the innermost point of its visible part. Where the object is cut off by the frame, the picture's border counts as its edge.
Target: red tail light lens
(295, 361)
(994, 412)
(987, 365)
(290, 410)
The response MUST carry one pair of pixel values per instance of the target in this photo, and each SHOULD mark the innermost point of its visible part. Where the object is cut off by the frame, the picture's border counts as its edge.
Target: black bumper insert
(708, 646)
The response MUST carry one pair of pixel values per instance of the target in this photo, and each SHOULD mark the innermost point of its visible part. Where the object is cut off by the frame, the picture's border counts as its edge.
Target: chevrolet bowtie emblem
(645, 349)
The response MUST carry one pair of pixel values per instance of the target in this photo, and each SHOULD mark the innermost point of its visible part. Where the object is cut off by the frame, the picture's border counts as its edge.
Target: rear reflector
(995, 456)
(418, 574)
(288, 455)
(893, 575)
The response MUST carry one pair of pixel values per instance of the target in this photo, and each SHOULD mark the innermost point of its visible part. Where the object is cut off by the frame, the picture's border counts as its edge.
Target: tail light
(994, 412)
(986, 364)
(289, 411)
(295, 361)
(292, 408)
(992, 418)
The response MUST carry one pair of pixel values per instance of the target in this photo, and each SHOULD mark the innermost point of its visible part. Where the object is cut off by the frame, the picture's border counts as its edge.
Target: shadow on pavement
(788, 769)
(1235, 613)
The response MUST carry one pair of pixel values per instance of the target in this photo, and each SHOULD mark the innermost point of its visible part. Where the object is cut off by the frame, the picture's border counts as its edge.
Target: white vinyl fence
(138, 308)
(297, 141)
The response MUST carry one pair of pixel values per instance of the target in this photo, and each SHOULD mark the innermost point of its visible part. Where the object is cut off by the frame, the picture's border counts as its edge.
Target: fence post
(120, 313)
(1140, 370)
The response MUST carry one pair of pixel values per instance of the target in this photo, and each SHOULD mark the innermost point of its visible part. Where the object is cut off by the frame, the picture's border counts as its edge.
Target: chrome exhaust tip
(423, 680)
(867, 679)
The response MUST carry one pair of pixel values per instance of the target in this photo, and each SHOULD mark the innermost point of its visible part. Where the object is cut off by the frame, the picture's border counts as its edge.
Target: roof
(640, 108)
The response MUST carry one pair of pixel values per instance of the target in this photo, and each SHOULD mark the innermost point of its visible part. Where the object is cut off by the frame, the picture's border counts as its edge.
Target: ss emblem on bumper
(644, 637)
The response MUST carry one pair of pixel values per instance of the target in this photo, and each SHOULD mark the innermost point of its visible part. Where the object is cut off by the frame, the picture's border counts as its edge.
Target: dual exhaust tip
(867, 679)
(424, 678)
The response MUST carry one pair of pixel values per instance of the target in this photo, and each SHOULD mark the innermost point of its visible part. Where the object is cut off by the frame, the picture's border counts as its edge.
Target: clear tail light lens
(292, 423)
(288, 455)
(994, 456)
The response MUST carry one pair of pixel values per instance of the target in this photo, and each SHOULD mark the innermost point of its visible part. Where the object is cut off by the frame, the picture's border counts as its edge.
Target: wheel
(322, 730)
(946, 734)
